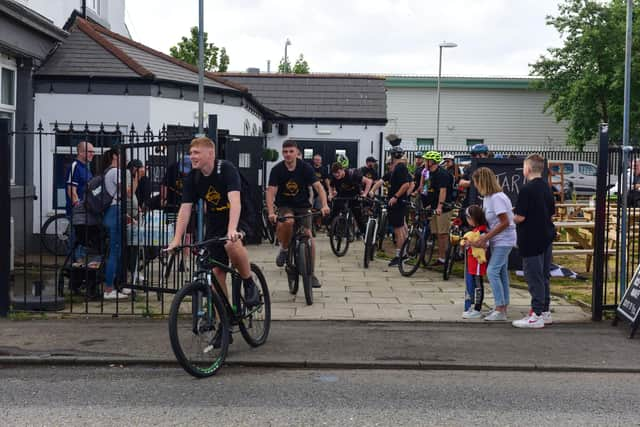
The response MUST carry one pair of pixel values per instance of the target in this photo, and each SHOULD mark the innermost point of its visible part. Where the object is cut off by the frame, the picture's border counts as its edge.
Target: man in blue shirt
(76, 181)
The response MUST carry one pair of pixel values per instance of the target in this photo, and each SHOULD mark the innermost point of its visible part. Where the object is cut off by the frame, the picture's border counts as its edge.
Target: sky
(397, 37)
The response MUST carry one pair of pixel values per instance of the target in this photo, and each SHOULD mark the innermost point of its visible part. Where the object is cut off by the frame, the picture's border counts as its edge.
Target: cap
(371, 159)
(419, 155)
(135, 164)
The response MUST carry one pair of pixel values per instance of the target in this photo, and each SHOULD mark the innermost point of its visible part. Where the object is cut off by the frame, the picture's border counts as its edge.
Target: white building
(504, 113)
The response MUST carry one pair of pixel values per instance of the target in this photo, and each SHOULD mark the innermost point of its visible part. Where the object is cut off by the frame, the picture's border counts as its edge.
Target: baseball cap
(371, 159)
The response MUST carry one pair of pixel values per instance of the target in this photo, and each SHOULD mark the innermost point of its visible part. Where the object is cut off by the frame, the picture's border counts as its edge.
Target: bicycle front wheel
(54, 235)
(305, 268)
(411, 253)
(339, 239)
(256, 321)
(369, 243)
(448, 261)
(429, 249)
(199, 329)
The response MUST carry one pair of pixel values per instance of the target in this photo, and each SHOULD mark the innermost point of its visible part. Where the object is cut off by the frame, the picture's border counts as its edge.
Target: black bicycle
(202, 319)
(375, 209)
(54, 234)
(268, 230)
(299, 257)
(455, 252)
(342, 230)
(420, 243)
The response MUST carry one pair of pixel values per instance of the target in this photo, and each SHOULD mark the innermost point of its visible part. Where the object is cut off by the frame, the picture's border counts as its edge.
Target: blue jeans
(498, 274)
(112, 222)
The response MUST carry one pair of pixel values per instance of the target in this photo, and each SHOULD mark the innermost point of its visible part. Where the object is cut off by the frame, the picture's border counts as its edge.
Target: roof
(460, 82)
(92, 50)
(31, 18)
(318, 96)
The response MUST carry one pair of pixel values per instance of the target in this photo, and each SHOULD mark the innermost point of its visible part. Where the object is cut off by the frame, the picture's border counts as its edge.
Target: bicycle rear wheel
(448, 261)
(305, 268)
(54, 235)
(369, 243)
(382, 231)
(199, 329)
(429, 248)
(339, 238)
(268, 231)
(411, 253)
(256, 321)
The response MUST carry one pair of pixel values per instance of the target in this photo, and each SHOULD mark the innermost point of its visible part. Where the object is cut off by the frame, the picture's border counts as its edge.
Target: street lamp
(442, 45)
(286, 61)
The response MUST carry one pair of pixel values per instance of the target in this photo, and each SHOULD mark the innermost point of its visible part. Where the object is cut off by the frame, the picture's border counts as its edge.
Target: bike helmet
(343, 160)
(479, 149)
(396, 152)
(433, 156)
(448, 157)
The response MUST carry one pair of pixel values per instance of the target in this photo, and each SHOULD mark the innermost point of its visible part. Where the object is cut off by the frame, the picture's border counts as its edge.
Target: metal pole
(438, 102)
(5, 216)
(200, 102)
(286, 61)
(597, 290)
(626, 149)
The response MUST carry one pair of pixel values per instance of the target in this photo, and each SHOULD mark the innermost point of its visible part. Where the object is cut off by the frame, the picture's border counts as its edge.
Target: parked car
(583, 175)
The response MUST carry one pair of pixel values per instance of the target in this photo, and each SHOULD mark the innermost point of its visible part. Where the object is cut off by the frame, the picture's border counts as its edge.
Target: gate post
(5, 215)
(599, 257)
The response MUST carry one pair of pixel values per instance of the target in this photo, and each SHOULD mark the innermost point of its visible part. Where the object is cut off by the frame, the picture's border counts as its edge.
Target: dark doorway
(329, 150)
(245, 152)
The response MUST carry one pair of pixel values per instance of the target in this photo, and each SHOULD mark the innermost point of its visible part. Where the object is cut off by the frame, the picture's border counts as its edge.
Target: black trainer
(315, 283)
(217, 341)
(395, 261)
(281, 259)
(251, 293)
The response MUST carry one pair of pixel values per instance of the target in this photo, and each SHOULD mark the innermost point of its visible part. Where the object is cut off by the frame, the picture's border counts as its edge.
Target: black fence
(64, 258)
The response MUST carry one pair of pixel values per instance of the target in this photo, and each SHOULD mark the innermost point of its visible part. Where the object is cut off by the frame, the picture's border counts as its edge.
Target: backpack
(250, 221)
(96, 197)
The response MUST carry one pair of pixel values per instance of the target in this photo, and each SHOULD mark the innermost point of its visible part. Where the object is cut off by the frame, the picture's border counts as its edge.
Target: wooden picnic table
(580, 232)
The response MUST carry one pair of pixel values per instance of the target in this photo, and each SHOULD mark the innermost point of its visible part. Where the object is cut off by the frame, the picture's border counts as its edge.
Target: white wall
(499, 116)
(356, 133)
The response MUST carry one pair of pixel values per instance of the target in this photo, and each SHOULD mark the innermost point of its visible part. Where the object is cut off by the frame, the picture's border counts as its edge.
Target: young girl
(476, 264)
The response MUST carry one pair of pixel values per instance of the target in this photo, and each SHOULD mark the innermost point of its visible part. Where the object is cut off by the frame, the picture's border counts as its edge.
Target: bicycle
(299, 259)
(268, 231)
(455, 252)
(419, 246)
(342, 230)
(55, 233)
(377, 210)
(201, 315)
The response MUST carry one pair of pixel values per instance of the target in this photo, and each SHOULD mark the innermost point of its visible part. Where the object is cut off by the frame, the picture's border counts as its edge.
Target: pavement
(581, 347)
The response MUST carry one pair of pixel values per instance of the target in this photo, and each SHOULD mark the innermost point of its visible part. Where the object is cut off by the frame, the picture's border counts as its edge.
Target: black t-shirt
(174, 181)
(350, 185)
(397, 178)
(321, 175)
(213, 189)
(536, 204)
(293, 186)
(371, 173)
(438, 180)
(143, 192)
(417, 175)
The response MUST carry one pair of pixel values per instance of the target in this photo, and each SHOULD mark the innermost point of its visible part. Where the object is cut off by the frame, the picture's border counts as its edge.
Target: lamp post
(441, 46)
(286, 60)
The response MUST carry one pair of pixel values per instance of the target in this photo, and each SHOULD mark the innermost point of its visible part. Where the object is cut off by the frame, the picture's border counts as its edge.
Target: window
(587, 169)
(474, 141)
(424, 143)
(307, 153)
(94, 5)
(8, 87)
(254, 130)
(567, 168)
(12, 145)
(247, 127)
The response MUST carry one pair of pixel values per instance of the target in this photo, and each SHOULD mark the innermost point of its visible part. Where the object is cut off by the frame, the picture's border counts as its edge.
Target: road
(248, 396)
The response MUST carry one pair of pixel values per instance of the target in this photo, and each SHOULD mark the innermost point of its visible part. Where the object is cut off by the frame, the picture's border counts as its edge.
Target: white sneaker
(114, 294)
(530, 321)
(472, 314)
(546, 316)
(496, 316)
(126, 291)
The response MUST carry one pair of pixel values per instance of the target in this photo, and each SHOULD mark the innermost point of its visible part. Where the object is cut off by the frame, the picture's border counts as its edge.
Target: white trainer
(472, 314)
(114, 294)
(546, 316)
(496, 316)
(531, 321)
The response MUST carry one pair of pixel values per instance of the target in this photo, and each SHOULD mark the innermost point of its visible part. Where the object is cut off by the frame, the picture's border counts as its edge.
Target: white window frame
(10, 64)
(94, 5)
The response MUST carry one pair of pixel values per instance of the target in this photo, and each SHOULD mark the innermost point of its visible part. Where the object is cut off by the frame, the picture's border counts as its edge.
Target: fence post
(5, 215)
(599, 256)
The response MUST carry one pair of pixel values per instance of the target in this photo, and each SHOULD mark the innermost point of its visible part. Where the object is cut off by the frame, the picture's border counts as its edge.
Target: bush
(270, 155)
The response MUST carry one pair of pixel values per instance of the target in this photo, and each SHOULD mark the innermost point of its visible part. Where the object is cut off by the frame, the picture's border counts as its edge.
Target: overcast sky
(494, 37)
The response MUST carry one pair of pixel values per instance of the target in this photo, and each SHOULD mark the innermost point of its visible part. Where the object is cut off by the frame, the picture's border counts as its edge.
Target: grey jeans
(537, 274)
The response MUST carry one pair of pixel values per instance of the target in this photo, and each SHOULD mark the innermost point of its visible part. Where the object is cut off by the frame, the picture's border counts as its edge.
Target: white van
(583, 175)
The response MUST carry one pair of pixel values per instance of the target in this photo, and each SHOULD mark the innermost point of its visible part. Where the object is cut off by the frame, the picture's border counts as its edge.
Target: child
(476, 264)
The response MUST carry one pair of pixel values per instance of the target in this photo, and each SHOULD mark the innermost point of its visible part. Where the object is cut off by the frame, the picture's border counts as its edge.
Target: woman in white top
(501, 238)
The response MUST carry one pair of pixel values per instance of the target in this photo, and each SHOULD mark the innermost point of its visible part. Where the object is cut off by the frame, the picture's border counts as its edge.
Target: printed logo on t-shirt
(291, 189)
(347, 186)
(213, 197)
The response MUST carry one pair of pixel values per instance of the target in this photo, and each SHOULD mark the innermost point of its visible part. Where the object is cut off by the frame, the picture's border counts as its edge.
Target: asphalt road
(244, 396)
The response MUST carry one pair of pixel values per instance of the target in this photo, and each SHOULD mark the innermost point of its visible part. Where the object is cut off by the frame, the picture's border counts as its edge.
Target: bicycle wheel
(448, 261)
(429, 248)
(382, 230)
(339, 238)
(196, 321)
(410, 254)
(54, 235)
(369, 243)
(305, 269)
(256, 321)
(267, 228)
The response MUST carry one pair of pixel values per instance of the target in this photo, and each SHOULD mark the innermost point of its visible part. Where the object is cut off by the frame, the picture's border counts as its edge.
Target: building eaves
(460, 82)
(32, 19)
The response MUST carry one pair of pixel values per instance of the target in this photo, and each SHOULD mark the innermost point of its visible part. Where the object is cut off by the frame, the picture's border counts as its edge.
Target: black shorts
(397, 214)
(217, 227)
(306, 222)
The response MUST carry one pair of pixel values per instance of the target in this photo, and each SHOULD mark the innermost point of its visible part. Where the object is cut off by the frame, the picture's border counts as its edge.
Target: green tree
(585, 77)
(215, 59)
(300, 67)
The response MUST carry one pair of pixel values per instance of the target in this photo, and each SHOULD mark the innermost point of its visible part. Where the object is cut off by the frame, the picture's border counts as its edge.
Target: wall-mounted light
(323, 131)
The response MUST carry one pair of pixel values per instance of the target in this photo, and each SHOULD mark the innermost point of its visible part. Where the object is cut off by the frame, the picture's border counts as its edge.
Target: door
(245, 152)
(329, 150)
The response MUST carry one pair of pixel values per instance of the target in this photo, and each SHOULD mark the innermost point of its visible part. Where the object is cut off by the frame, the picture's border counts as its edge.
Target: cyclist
(288, 189)
(348, 183)
(478, 151)
(218, 184)
(371, 169)
(440, 192)
(400, 185)
(321, 173)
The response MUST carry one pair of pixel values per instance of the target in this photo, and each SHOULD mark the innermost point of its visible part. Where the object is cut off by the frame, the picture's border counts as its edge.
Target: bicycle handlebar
(215, 240)
(286, 217)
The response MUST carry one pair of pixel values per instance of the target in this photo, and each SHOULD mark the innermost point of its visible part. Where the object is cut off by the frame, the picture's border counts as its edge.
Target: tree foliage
(300, 67)
(585, 77)
(215, 59)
